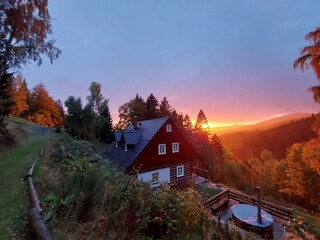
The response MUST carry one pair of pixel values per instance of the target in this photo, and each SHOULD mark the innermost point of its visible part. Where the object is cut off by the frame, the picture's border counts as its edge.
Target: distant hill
(250, 143)
(264, 125)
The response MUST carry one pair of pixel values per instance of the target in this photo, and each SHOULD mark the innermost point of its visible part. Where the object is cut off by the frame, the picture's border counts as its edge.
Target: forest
(249, 144)
(86, 196)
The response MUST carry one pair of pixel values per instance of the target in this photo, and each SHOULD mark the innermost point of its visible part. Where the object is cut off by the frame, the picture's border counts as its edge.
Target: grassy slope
(14, 162)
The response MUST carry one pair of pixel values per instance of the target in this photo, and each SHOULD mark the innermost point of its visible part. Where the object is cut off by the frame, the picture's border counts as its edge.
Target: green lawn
(14, 200)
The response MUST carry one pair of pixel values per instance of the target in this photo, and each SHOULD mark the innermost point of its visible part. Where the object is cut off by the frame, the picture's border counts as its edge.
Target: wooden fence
(274, 209)
(200, 172)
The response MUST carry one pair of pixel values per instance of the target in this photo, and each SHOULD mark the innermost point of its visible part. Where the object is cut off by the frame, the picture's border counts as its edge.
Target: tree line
(249, 144)
(35, 105)
(149, 109)
(91, 120)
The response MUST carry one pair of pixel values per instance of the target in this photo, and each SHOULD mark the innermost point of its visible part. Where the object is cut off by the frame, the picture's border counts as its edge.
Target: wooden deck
(222, 198)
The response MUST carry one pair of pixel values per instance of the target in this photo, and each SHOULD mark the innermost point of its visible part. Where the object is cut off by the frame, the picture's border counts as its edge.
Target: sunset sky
(233, 59)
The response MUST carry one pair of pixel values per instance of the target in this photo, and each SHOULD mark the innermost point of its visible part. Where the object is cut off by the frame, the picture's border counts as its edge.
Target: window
(180, 171)
(155, 178)
(169, 128)
(162, 149)
(175, 147)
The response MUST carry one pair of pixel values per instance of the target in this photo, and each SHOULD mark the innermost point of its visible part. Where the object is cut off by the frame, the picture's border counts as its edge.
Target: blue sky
(233, 59)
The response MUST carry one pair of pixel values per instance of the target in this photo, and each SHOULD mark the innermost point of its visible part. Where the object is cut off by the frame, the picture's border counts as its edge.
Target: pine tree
(106, 133)
(180, 120)
(152, 107)
(201, 125)
(187, 123)
(165, 107)
(219, 156)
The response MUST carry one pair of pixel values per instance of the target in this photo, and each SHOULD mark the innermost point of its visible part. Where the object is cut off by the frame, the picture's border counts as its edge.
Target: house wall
(164, 176)
(149, 159)
(173, 171)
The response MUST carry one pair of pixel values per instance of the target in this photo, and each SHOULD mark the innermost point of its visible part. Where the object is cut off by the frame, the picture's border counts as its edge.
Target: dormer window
(169, 128)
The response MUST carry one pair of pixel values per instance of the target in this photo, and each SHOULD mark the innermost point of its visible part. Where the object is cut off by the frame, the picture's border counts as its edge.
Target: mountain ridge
(263, 125)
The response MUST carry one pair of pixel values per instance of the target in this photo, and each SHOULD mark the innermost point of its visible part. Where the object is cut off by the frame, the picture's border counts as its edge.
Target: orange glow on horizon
(212, 124)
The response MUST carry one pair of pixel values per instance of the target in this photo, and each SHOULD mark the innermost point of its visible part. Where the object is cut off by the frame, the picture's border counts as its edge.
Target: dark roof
(131, 138)
(117, 136)
(137, 138)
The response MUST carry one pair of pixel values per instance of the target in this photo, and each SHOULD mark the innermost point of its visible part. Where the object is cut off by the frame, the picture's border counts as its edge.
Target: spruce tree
(152, 107)
(165, 107)
(106, 133)
(187, 123)
(202, 123)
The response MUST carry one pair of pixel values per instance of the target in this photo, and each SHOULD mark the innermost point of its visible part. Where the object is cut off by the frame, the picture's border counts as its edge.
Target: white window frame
(175, 147)
(162, 149)
(156, 179)
(169, 128)
(180, 173)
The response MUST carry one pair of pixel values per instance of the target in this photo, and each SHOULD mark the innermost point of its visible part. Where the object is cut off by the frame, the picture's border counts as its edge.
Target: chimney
(135, 122)
(259, 205)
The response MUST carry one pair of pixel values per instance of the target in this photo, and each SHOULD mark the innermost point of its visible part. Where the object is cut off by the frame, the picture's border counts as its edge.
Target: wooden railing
(200, 172)
(224, 195)
(273, 209)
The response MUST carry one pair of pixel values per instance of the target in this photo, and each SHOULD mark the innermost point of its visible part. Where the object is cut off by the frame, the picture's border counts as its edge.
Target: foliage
(310, 56)
(5, 102)
(187, 123)
(42, 108)
(91, 121)
(150, 109)
(106, 132)
(302, 181)
(165, 107)
(24, 29)
(152, 105)
(311, 155)
(207, 192)
(219, 154)
(300, 228)
(95, 98)
(59, 106)
(246, 145)
(101, 202)
(136, 107)
(201, 125)
(19, 94)
(5, 98)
